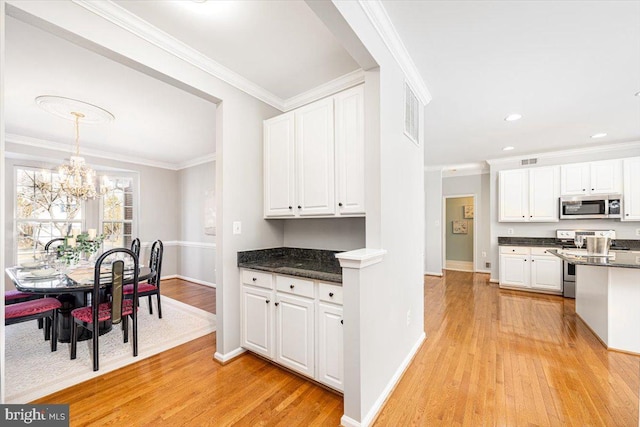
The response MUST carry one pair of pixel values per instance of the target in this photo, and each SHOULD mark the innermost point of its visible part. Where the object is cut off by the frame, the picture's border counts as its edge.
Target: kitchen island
(608, 296)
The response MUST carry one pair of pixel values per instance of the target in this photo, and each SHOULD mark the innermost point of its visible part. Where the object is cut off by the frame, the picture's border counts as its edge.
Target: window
(42, 211)
(117, 212)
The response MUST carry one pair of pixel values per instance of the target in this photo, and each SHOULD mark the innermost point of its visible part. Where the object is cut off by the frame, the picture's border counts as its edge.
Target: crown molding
(346, 81)
(465, 169)
(570, 152)
(380, 20)
(197, 161)
(141, 28)
(66, 148)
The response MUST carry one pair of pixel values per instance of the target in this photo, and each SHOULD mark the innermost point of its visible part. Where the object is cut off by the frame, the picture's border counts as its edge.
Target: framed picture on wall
(460, 227)
(468, 211)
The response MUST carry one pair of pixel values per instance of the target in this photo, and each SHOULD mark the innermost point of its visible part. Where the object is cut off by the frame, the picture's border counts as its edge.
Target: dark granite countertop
(550, 242)
(312, 264)
(626, 259)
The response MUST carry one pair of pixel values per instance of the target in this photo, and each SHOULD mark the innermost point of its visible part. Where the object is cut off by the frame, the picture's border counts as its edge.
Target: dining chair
(115, 309)
(135, 247)
(57, 241)
(152, 287)
(42, 308)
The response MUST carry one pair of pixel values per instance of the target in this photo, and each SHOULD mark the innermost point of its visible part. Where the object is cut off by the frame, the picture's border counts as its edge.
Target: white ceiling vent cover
(411, 114)
(528, 162)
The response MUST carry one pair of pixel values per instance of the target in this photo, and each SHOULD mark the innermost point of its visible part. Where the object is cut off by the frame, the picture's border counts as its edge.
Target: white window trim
(136, 201)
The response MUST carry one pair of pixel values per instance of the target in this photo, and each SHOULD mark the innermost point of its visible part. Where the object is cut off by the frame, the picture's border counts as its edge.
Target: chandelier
(76, 178)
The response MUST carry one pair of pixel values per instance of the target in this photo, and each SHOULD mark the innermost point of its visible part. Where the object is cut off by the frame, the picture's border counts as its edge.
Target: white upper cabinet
(349, 134)
(279, 166)
(631, 202)
(529, 195)
(314, 159)
(603, 177)
(514, 191)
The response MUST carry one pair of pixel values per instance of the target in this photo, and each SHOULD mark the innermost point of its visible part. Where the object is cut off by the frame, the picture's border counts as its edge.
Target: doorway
(459, 233)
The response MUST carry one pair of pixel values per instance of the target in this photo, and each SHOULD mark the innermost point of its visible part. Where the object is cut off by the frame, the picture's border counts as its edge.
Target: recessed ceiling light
(513, 117)
(598, 135)
(508, 148)
(637, 94)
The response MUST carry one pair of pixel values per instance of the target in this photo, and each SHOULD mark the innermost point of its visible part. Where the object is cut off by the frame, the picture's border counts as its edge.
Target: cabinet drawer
(541, 251)
(295, 286)
(330, 293)
(257, 278)
(518, 250)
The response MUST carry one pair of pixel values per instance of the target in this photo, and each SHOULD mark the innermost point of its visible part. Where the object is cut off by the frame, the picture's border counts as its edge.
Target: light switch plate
(509, 230)
(237, 227)
(637, 231)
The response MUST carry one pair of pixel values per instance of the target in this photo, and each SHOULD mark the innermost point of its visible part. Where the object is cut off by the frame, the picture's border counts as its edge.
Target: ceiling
(279, 45)
(571, 68)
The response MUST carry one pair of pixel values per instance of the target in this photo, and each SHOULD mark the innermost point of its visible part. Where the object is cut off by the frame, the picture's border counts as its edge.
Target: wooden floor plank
(492, 358)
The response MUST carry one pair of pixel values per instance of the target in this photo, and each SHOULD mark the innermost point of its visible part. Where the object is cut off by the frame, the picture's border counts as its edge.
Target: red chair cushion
(104, 311)
(142, 287)
(29, 308)
(16, 294)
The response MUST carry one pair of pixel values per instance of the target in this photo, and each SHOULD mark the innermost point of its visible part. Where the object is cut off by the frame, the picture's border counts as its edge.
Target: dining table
(71, 287)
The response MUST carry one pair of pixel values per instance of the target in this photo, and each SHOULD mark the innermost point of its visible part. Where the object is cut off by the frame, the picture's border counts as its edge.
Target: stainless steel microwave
(591, 207)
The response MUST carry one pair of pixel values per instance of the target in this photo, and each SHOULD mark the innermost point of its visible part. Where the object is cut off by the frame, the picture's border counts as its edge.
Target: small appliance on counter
(576, 240)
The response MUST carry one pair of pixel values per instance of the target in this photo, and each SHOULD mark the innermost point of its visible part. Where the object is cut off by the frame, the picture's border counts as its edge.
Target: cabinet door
(294, 334)
(514, 270)
(257, 320)
(546, 273)
(514, 195)
(330, 346)
(544, 191)
(315, 163)
(574, 179)
(631, 203)
(279, 166)
(606, 177)
(349, 134)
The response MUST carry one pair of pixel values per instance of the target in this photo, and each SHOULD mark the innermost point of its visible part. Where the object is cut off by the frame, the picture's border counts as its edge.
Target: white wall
(238, 141)
(433, 222)
(477, 185)
(197, 252)
(395, 222)
(624, 230)
(340, 234)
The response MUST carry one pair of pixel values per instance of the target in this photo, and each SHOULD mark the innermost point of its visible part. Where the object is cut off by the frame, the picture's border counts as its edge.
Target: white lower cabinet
(530, 268)
(330, 347)
(295, 322)
(295, 333)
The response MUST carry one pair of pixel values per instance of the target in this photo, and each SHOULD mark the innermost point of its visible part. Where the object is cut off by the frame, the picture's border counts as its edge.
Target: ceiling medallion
(65, 107)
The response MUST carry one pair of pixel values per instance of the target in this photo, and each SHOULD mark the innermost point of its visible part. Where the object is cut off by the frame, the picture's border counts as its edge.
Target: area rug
(33, 371)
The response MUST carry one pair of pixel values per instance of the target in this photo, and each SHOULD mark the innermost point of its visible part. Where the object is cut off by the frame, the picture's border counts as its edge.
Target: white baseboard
(459, 265)
(224, 358)
(189, 279)
(380, 401)
(492, 280)
(432, 273)
(483, 271)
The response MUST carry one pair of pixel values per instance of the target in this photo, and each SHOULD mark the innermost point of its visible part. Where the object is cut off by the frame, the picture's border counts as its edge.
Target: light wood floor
(506, 358)
(492, 357)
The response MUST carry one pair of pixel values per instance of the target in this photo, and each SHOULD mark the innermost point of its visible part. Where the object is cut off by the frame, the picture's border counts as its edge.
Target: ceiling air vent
(528, 162)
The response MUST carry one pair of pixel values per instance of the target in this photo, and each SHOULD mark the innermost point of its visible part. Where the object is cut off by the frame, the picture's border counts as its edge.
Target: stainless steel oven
(568, 280)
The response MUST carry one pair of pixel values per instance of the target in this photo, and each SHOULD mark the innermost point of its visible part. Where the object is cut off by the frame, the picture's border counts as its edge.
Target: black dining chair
(135, 247)
(152, 287)
(53, 243)
(115, 309)
(42, 308)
